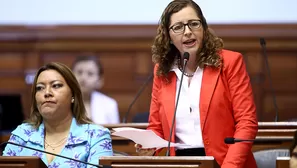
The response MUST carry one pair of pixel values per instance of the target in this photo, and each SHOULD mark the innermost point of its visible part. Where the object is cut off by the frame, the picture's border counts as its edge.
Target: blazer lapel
(169, 100)
(209, 82)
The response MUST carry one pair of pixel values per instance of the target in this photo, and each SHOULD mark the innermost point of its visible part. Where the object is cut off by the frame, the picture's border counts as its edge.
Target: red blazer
(227, 109)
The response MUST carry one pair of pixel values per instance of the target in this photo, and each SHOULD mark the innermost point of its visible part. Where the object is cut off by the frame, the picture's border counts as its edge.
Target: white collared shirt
(104, 109)
(188, 128)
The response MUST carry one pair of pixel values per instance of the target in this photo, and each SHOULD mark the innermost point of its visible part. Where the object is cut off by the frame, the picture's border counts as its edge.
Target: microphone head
(229, 140)
(186, 56)
(262, 41)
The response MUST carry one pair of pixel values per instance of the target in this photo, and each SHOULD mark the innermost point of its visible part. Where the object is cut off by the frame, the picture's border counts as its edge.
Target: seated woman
(89, 73)
(58, 122)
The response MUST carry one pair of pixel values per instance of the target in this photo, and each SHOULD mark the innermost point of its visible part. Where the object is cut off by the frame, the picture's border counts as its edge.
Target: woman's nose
(187, 31)
(48, 92)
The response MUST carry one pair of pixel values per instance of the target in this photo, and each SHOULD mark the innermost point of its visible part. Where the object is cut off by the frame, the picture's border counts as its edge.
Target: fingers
(144, 152)
(138, 146)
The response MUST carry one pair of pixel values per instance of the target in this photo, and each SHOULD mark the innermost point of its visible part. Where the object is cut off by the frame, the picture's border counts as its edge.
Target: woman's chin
(191, 51)
(191, 48)
(47, 114)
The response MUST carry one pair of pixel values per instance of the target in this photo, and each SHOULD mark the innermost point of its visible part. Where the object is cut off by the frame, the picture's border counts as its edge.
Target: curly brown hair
(77, 107)
(164, 54)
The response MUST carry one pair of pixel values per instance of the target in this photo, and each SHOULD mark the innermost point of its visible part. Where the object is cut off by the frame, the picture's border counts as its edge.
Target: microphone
(136, 97)
(231, 140)
(186, 59)
(263, 45)
(101, 166)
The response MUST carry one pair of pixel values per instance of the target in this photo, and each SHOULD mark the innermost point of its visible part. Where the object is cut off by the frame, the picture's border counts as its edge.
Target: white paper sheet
(146, 138)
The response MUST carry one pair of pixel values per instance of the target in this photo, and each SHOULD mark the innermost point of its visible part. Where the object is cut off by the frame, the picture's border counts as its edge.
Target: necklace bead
(53, 146)
(186, 74)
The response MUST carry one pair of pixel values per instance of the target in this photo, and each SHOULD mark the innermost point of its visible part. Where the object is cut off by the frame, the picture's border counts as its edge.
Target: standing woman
(216, 99)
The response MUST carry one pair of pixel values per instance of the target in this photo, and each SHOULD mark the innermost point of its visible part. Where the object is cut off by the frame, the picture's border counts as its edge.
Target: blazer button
(207, 142)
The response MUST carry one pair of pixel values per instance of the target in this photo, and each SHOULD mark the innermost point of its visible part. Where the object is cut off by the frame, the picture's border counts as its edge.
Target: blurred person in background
(101, 108)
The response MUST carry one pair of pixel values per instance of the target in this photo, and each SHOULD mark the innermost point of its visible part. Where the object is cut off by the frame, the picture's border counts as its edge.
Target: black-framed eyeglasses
(180, 26)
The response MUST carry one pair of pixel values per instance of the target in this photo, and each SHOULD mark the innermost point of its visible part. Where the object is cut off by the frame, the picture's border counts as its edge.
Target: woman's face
(186, 38)
(53, 95)
(87, 74)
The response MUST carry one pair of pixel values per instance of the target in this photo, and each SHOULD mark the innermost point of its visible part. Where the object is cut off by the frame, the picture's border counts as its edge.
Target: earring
(171, 42)
(72, 100)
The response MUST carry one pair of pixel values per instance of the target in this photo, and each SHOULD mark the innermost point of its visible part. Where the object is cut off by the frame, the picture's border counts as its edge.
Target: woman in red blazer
(216, 99)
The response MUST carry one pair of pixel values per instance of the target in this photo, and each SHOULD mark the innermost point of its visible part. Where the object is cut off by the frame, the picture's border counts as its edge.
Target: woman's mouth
(190, 43)
(48, 102)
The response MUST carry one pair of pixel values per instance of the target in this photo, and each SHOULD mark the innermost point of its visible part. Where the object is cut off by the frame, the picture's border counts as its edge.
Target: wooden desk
(274, 142)
(125, 145)
(281, 131)
(21, 162)
(277, 128)
(265, 128)
(282, 162)
(262, 125)
(134, 125)
(159, 161)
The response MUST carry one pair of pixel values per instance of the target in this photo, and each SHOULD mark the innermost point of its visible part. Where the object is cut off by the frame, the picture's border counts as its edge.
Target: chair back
(267, 158)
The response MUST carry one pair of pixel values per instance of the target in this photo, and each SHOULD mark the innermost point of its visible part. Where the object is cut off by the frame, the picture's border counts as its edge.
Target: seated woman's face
(293, 160)
(87, 74)
(53, 95)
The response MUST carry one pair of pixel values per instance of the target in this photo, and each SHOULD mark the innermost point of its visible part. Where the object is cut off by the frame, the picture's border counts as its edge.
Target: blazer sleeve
(155, 123)
(244, 111)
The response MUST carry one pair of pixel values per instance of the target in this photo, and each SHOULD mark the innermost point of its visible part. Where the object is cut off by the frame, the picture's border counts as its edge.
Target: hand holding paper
(146, 138)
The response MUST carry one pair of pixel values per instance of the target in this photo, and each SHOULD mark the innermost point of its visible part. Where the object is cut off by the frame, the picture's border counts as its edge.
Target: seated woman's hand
(144, 152)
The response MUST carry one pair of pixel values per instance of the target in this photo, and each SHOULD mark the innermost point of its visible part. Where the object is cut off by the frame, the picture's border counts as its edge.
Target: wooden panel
(283, 162)
(11, 62)
(280, 133)
(125, 51)
(283, 67)
(159, 162)
(254, 62)
(286, 107)
(65, 58)
(119, 72)
(12, 83)
(143, 63)
(123, 101)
